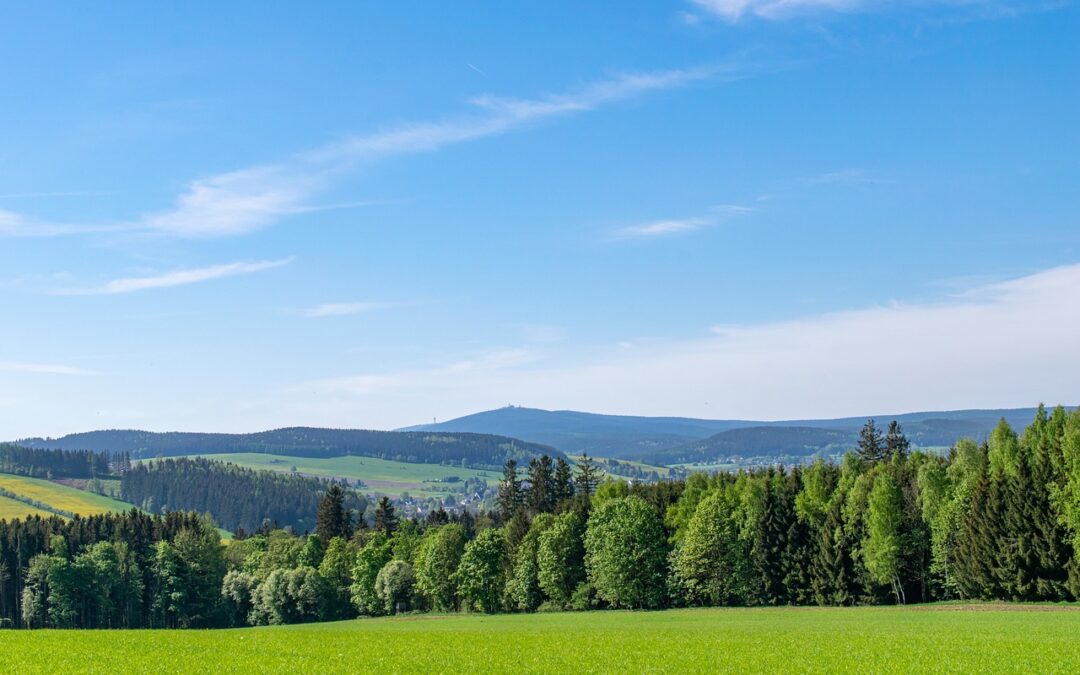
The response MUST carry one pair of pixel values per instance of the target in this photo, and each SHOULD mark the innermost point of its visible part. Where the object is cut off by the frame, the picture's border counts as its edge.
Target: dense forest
(479, 450)
(51, 464)
(238, 498)
(998, 520)
(767, 443)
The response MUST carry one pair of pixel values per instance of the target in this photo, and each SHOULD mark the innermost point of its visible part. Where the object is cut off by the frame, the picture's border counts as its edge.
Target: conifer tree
(588, 476)
(871, 443)
(386, 520)
(564, 481)
(896, 443)
(510, 497)
(332, 519)
(541, 493)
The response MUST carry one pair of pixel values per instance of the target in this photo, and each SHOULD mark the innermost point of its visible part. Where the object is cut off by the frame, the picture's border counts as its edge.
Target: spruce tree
(564, 481)
(871, 443)
(510, 495)
(332, 519)
(541, 494)
(588, 476)
(896, 443)
(386, 521)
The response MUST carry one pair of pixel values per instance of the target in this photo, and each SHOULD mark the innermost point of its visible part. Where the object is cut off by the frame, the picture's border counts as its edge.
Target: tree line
(997, 520)
(38, 463)
(237, 497)
(462, 449)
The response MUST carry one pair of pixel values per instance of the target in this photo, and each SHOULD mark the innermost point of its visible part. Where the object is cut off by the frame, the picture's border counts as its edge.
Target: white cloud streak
(42, 369)
(341, 309)
(1002, 344)
(776, 10)
(177, 278)
(238, 202)
(671, 226)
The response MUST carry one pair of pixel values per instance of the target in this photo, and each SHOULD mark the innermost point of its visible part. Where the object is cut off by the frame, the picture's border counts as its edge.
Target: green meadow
(382, 476)
(936, 638)
(63, 498)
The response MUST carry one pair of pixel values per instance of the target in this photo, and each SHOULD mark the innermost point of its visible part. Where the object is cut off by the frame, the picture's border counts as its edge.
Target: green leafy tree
(626, 553)
(480, 575)
(369, 562)
(336, 567)
(523, 586)
(238, 589)
(436, 561)
(711, 564)
(882, 546)
(312, 553)
(1003, 450)
(170, 592)
(394, 586)
(560, 557)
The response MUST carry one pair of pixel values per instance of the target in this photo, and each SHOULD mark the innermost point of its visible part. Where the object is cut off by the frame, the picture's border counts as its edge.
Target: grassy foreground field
(62, 497)
(931, 639)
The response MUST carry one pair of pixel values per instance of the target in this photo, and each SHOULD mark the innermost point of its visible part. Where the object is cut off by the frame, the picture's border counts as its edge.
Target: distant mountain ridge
(670, 440)
(474, 449)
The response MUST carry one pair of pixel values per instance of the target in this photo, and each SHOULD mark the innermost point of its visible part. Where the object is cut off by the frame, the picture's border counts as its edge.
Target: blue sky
(370, 215)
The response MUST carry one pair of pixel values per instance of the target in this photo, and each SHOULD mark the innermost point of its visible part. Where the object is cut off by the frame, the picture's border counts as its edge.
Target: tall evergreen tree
(541, 496)
(386, 520)
(871, 444)
(588, 476)
(564, 481)
(332, 519)
(896, 443)
(510, 497)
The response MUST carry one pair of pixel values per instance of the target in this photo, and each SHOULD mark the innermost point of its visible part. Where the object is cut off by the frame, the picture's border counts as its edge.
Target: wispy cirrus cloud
(671, 226)
(244, 200)
(177, 278)
(42, 368)
(775, 10)
(341, 309)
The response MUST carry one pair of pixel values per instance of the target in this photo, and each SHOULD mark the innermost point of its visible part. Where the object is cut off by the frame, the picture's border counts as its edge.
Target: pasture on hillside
(938, 638)
(61, 497)
(380, 476)
(10, 509)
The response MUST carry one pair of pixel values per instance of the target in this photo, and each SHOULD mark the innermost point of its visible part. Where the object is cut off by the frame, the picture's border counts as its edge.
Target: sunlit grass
(61, 497)
(10, 509)
(930, 639)
(382, 476)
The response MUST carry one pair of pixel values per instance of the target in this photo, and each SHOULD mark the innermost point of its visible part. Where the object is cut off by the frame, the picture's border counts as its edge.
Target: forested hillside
(426, 447)
(649, 438)
(766, 445)
(41, 463)
(234, 496)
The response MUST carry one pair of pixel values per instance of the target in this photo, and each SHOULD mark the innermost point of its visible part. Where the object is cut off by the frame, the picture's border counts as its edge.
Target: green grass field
(58, 496)
(381, 476)
(10, 509)
(939, 638)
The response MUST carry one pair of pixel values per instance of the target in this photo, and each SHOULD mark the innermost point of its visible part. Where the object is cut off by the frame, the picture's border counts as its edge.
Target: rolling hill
(23, 496)
(678, 439)
(470, 449)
